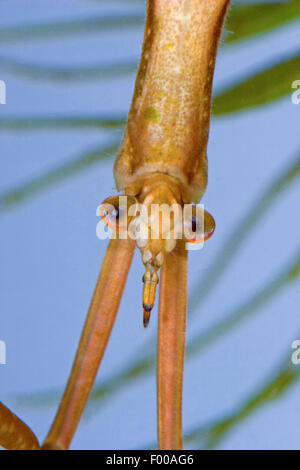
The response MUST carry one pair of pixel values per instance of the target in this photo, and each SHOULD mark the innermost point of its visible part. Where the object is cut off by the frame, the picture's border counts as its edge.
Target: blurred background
(69, 68)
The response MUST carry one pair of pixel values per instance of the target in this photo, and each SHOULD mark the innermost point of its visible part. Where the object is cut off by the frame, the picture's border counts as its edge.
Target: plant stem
(96, 332)
(170, 347)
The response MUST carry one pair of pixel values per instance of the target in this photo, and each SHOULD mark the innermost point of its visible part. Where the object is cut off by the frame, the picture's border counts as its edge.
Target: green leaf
(19, 194)
(247, 308)
(230, 320)
(211, 434)
(241, 231)
(36, 123)
(81, 73)
(72, 27)
(225, 255)
(263, 87)
(146, 363)
(245, 21)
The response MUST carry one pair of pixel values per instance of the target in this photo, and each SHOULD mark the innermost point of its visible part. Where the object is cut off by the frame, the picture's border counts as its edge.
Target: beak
(150, 281)
(146, 316)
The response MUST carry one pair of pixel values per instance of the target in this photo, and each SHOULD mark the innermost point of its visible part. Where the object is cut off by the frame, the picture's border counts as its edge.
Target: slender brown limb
(14, 434)
(98, 325)
(170, 347)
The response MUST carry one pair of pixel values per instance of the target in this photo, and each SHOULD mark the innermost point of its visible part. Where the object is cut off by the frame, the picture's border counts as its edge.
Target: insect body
(162, 157)
(161, 162)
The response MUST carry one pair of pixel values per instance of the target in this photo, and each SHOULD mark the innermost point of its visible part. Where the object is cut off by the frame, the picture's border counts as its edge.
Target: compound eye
(199, 225)
(114, 212)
